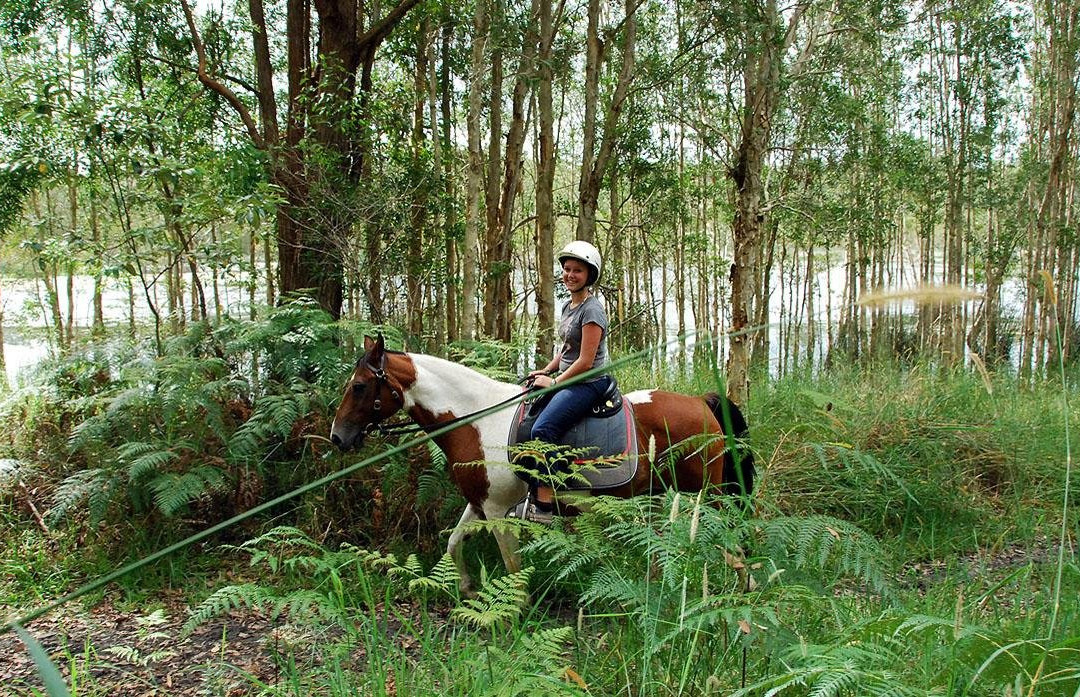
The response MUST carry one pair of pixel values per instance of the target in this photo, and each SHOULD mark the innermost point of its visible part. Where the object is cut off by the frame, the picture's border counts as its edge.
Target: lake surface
(26, 321)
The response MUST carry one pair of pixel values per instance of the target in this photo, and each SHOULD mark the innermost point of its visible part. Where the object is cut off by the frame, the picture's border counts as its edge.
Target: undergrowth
(902, 539)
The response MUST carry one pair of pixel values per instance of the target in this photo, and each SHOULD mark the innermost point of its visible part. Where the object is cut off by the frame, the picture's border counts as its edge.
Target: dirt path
(112, 652)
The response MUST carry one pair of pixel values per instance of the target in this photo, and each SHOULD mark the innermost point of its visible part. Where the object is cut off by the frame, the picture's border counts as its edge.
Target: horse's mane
(427, 361)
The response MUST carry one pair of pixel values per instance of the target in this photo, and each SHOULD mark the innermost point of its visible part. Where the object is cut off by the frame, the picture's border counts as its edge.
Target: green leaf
(50, 674)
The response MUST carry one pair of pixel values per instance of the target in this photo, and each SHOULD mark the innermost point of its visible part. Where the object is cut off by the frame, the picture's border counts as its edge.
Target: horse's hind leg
(456, 549)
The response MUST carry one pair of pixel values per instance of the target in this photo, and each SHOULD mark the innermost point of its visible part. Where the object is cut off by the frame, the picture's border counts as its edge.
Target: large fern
(273, 417)
(95, 487)
(498, 602)
(823, 544)
(225, 600)
(173, 491)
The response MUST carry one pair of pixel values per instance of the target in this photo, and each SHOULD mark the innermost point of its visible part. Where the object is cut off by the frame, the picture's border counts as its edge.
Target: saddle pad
(613, 438)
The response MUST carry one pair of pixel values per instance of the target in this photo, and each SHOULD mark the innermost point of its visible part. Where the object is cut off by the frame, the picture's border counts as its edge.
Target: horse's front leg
(508, 547)
(505, 491)
(456, 549)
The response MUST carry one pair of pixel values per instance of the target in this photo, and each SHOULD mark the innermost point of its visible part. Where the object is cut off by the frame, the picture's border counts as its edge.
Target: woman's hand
(541, 379)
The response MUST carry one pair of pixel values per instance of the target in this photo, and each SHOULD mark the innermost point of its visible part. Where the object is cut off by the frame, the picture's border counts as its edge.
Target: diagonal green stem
(202, 535)
(1068, 475)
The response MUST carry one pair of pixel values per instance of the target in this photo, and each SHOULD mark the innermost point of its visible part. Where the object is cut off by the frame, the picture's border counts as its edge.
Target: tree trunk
(495, 268)
(594, 164)
(476, 171)
(418, 213)
(453, 327)
(311, 242)
(545, 198)
(501, 244)
(761, 89)
(4, 385)
(95, 237)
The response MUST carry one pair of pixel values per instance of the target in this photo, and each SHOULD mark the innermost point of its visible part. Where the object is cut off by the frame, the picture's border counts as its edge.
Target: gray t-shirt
(570, 323)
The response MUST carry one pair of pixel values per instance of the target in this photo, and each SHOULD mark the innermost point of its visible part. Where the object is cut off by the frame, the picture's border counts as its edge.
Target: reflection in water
(24, 304)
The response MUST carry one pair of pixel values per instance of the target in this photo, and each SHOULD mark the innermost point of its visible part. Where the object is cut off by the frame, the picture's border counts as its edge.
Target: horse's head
(372, 394)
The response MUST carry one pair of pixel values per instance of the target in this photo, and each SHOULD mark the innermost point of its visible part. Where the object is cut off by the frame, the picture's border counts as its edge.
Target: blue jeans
(568, 405)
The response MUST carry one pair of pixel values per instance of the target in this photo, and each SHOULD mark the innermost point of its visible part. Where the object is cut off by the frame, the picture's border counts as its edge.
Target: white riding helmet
(585, 253)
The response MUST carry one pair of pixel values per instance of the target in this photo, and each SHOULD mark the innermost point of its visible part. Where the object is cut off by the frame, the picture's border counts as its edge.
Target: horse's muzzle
(346, 444)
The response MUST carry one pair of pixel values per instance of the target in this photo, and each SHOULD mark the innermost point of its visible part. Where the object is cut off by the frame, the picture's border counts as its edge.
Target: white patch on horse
(640, 396)
(443, 387)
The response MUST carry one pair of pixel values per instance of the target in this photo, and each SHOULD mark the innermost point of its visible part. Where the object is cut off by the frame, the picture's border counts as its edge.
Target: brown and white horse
(434, 391)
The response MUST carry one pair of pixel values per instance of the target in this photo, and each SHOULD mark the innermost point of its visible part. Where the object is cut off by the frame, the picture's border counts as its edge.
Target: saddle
(605, 441)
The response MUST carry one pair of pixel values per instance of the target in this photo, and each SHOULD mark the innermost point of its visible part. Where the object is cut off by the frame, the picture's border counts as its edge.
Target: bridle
(379, 372)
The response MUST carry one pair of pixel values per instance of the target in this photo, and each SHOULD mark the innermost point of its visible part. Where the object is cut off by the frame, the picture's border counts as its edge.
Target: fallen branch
(33, 508)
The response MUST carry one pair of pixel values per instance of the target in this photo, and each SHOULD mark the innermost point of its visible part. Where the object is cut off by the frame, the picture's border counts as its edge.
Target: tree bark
(501, 243)
(495, 267)
(760, 84)
(594, 164)
(418, 213)
(476, 171)
(4, 385)
(453, 327)
(311, 234)
(545, 196)
(768, 42)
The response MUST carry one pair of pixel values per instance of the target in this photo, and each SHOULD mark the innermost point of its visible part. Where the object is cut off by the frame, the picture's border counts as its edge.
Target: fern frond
(224, 600)
(612, 585)
(274, 415)
(96, 486)
(144, 460)
(444, 577)
(823, 542)
(544, 649)
(173, 491)
(307, 607)
(499, 601)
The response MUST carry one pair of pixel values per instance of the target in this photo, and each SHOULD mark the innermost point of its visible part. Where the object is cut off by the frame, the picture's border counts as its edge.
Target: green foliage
(822, 543)
(222, 413)
(487, 648)
(656, 581)
(499, 602)
(50, 674)
(937, 462)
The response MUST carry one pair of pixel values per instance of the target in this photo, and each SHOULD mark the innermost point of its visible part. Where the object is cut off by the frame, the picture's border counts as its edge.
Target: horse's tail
(738, 473)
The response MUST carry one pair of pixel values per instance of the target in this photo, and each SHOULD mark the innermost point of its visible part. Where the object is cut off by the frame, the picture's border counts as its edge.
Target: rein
(401, 428)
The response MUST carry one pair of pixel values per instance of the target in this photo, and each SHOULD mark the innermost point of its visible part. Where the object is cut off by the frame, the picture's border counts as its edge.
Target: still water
(26, 317)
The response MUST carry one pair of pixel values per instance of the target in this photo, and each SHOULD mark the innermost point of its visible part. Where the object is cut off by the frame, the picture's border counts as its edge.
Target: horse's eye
(358, 388)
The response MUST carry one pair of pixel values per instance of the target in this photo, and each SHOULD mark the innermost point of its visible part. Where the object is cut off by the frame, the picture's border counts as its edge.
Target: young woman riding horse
(434, 391)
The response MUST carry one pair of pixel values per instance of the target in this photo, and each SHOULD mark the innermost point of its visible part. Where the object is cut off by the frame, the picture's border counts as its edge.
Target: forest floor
(114, 652)
(110, 650)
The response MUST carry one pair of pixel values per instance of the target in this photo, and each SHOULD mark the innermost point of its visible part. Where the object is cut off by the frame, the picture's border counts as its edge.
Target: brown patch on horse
(401, 368)
(676, 420)
(462, 446)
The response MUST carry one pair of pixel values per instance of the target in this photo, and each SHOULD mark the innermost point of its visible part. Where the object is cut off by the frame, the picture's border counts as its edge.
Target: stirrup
(526, 509)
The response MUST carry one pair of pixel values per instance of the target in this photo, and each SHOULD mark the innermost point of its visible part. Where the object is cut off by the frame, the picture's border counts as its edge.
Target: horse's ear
(380, 343)
(369, 343)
